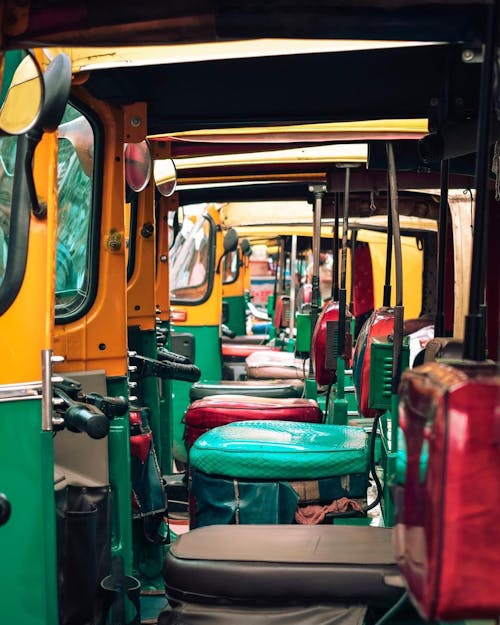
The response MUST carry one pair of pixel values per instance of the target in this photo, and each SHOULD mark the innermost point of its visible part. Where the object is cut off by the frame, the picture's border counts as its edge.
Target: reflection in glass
(230, 267)
(74, 177)
(7, 161)
(138, 164)
(189, 261)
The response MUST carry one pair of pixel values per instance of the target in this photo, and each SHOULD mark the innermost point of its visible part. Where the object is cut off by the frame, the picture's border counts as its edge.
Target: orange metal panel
(27, 326)
(99, 339)
(141, 310)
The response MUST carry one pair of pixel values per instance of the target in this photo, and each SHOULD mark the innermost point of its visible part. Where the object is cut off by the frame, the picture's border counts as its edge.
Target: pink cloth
(312, 515)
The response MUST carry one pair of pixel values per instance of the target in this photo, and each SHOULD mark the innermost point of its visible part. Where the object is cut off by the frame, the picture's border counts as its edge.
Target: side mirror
(138, 165)
(246, 248)
(165, 176)
(230, 244)
(57, 81)
(230, 241)
(57, 85)
(23, 101)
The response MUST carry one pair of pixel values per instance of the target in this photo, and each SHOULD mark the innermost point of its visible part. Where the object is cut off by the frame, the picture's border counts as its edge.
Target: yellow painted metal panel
(99, 340)
(412, 273)
(27, 326)
(209, 312)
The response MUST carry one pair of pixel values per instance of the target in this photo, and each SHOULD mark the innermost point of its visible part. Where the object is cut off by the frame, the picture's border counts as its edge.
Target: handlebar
(149, 367)
(226, 331)
(111, 406)
(88, 419)
(79, 416)
(5, 509)
(167, 356)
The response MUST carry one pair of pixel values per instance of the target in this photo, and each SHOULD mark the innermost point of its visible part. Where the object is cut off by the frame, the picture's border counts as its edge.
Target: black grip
(70, 387)
(111, 406)
(82, 418)
(166, 355)
(5, 509)
(226, 331)
(149, 367)
(184, 373)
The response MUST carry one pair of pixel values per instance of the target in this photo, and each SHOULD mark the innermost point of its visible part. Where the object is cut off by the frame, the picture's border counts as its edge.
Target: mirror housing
(230, 241)
(246, 248)
(230, 244)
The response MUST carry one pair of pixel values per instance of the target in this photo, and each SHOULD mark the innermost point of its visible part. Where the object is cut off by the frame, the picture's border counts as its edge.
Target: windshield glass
(7, 161)
(190, 261)
(230, 267)
(75, 167)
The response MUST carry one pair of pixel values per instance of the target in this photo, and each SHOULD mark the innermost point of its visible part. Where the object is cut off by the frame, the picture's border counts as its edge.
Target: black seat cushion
(279, 564)
(247, 339)
(276, 389)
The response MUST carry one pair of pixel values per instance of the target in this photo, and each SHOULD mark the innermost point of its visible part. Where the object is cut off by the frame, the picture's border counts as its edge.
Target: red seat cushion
(209, 412)
(268, 364)
(242, 350)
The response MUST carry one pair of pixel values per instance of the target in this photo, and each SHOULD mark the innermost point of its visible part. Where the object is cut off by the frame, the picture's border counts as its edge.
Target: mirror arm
(33, 139)
(220, 260)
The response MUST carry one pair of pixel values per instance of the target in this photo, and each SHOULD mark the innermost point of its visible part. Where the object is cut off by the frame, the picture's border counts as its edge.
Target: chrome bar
(46, 390)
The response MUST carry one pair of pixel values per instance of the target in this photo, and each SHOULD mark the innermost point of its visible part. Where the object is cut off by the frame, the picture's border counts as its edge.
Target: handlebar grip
(150, 367)
(166, 355)
(5, 509)
(111, 406)
(226, 331)
(184, 373)
(79, 418)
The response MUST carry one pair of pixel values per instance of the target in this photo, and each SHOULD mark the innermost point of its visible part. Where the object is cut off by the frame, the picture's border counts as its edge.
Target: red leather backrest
(379, 325)
(448, 540)
(282, 312)
(329, 313)
(363, 300)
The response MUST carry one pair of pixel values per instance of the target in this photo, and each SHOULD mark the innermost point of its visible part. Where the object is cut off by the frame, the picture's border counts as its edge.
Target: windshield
(7, 161)
(75, 165)
(191, 260)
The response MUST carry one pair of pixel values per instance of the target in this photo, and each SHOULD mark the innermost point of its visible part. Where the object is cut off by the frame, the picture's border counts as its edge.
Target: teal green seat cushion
(281, 450)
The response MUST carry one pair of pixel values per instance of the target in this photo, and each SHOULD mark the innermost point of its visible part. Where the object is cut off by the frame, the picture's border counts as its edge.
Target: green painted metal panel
(303, 340)
(28, 564)
(281, 450)
(12, 60)
(119, 478)
(236, 319)
(147, 390)
(148, 556)
(208, 358)
(381, 372)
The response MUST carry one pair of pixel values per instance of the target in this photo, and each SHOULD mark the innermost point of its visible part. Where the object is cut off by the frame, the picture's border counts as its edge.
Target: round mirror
(246, 248)
(23, 100)
(138, 164)
(165, 176)
(230, 240)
